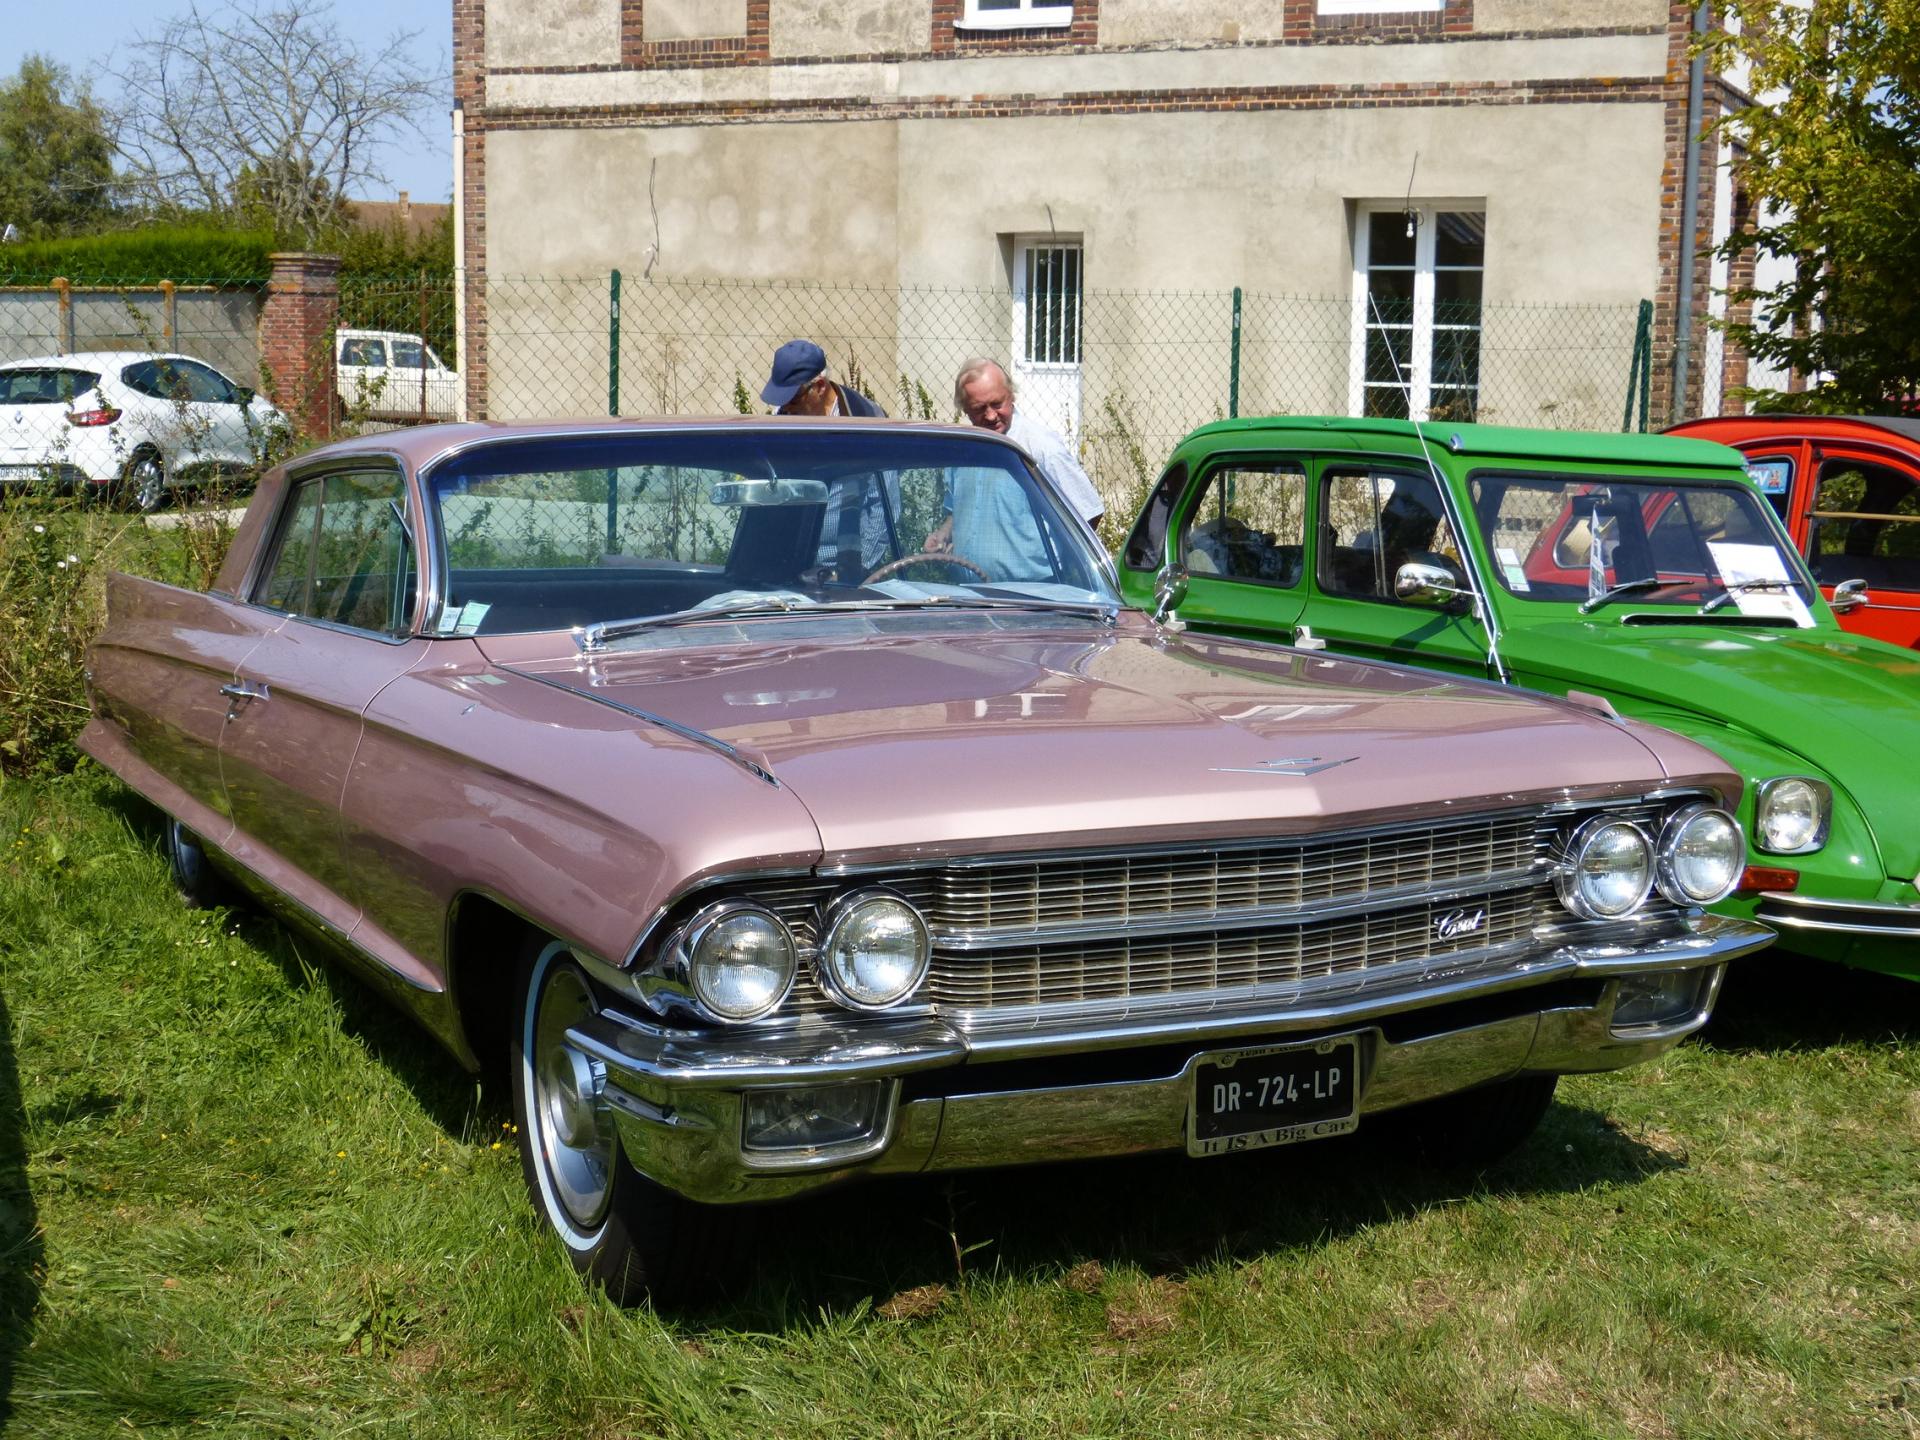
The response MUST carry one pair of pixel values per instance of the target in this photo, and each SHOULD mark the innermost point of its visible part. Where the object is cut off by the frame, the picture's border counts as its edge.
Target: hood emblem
(1311, 765)
(1458, 922)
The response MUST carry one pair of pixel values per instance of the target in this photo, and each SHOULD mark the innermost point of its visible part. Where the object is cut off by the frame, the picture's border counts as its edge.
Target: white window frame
(1420, 350)
(1026, 15)
(1379, 7)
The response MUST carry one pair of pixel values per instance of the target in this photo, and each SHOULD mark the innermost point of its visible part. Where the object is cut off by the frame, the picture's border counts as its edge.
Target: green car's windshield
(1706, 548)
(663, 527)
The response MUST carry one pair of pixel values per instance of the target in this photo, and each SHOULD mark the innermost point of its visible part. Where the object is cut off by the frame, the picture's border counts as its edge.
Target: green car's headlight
(1791, 814)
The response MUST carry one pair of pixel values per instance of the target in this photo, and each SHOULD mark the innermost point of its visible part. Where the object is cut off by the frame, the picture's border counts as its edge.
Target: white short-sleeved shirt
(1057, 462)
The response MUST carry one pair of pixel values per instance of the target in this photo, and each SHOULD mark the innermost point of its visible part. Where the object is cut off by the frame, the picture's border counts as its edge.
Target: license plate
(1275, 1095)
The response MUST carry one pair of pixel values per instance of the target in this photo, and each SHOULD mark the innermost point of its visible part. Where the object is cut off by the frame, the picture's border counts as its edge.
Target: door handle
(239, 690)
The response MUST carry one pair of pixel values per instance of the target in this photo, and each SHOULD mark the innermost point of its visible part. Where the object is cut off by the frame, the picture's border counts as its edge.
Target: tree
(266, 112)
(1832, 171)
(56, 162)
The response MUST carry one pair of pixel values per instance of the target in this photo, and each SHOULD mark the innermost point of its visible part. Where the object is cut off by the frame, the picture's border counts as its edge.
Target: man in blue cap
(800, 385)
(855, 536)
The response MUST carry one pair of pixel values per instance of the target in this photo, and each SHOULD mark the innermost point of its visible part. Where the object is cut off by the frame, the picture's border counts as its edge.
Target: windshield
(1698, 547)
(547, 534)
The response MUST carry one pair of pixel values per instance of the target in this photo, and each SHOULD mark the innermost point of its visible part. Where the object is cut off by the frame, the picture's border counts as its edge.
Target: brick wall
(296, 338)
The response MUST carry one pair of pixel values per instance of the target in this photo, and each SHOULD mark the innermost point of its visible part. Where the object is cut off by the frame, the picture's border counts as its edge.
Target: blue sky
(83, 39)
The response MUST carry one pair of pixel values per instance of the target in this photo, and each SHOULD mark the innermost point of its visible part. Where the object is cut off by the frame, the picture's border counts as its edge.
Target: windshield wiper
(1614, 592)
(1743, 587)
(595, 637)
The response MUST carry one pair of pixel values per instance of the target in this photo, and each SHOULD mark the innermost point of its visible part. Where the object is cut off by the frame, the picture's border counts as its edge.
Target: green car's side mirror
(1848, 596)
(1169, 589)
(1434, 586)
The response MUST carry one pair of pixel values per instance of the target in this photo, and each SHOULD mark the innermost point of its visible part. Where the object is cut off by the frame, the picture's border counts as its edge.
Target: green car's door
(1243, 541)
(1370, 519)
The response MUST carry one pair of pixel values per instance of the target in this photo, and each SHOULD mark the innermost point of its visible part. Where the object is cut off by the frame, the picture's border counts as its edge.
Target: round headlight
(1790, 815)
(1609, 870)
(740, 962)
(1702, 853)
(876, 951)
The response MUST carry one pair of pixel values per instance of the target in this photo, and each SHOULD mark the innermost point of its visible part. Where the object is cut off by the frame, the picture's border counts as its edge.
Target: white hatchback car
(129, 424)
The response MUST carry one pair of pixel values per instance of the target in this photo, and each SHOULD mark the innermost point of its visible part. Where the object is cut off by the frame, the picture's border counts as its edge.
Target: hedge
(189, 255)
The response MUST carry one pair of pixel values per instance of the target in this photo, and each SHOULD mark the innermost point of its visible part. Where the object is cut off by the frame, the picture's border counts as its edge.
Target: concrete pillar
(296, 338)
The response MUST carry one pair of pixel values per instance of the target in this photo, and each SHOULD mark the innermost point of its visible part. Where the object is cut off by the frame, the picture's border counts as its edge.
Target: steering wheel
(894, 567)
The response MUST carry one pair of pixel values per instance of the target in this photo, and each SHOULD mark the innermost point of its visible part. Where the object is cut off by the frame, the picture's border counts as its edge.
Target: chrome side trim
(685, 732)
(1845, 917)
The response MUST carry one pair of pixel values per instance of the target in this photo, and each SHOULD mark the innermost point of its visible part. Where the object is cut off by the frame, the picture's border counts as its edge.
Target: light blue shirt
(1056, 461)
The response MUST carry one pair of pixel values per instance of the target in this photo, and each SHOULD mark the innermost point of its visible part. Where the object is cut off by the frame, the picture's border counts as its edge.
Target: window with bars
(1051, 332)
(1015, 14)
(1418, 275)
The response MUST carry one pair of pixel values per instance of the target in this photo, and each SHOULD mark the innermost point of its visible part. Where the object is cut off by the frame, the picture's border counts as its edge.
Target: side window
(145, 379)
(204, 386)
(358, 351)
(406, 355)
(1250, 524)
(285, 586)
(343, 556)
(1373, 522)
(1147, 545)
(1866, 525)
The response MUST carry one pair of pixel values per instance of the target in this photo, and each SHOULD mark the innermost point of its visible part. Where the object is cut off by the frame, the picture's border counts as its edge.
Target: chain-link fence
(1125, 374)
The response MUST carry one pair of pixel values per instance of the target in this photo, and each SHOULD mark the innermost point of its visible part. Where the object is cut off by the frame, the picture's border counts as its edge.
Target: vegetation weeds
(239, 1196)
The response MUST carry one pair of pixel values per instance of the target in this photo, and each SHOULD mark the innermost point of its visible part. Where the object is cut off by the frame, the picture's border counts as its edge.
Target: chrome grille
(1271, 956)
(995, 898)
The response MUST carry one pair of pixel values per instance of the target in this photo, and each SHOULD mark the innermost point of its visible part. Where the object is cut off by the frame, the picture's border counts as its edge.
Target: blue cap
(795, 364)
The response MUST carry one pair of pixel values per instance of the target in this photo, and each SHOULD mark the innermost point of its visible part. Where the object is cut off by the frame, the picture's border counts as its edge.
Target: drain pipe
(1689, 219)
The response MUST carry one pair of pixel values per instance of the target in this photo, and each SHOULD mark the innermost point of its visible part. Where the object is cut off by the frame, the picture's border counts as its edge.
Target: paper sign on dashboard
(1762, 567)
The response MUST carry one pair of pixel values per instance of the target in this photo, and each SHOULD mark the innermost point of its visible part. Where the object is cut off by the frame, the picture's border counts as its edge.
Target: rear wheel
(620, 1229)
(199, 884)
(143, 484)
(1479, 1126)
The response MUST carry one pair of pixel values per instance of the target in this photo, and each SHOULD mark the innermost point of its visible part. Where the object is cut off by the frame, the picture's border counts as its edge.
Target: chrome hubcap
(149, 484)
(575, 1139)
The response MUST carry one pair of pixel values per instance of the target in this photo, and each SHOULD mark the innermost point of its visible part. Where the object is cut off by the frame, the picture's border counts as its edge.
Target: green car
(1472, 549)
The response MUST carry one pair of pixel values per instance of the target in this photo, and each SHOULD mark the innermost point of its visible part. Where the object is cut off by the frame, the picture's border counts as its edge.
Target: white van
(391, 375)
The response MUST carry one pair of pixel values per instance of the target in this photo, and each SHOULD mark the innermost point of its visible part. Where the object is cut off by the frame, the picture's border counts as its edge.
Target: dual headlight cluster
(741, 959)
(1612, 865)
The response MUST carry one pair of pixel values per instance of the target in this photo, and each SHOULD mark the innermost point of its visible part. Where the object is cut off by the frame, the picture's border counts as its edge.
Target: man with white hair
(985, 396)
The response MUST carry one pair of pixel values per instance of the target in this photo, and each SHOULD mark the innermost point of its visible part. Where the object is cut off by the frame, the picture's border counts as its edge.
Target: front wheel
(620, 1229)
(199, 884)
(1479, 1126)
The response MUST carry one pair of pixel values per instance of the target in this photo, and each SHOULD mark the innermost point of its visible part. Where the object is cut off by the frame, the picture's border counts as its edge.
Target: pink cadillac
(780, 802)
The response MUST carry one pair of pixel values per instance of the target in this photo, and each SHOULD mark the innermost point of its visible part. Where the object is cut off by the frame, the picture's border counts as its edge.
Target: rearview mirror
(1434, 586)
(1169, 590)
(769, 492)
(1848, 596)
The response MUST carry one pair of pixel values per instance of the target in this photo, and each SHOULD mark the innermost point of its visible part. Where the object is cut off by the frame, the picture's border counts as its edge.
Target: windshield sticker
(1510, 567)
(468, 618)
(1756, 576)
(1597, 554)
(1770, 475)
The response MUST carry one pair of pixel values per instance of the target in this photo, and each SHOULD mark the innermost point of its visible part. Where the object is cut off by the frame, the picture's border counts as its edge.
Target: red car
(1848, 488)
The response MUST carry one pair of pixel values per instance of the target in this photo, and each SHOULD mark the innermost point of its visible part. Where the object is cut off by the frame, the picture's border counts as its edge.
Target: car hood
(946, 736)
(1845, 704)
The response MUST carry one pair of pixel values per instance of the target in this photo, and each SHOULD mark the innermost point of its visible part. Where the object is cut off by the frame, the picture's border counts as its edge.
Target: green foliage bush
(188, 254)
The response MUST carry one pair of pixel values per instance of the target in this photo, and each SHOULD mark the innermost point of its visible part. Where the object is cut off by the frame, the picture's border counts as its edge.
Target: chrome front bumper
(959, 1098)
(1843, 917)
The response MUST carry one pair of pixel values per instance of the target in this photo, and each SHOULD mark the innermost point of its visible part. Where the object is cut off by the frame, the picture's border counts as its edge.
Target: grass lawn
(238, 1197)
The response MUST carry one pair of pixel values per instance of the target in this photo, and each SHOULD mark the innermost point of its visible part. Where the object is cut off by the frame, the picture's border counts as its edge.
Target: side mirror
(1169, 590)
(1848, 596)
(1433, 586)
(242, 396)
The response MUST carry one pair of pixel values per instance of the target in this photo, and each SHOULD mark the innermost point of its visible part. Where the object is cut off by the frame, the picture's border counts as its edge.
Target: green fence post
(613, 406)
(1233, 384)
(613, 347)
(1646, 360)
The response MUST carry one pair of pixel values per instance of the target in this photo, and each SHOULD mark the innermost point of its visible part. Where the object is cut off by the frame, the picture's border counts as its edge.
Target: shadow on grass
(1777, 1001)
(22, 1251)
(1165, 1214)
